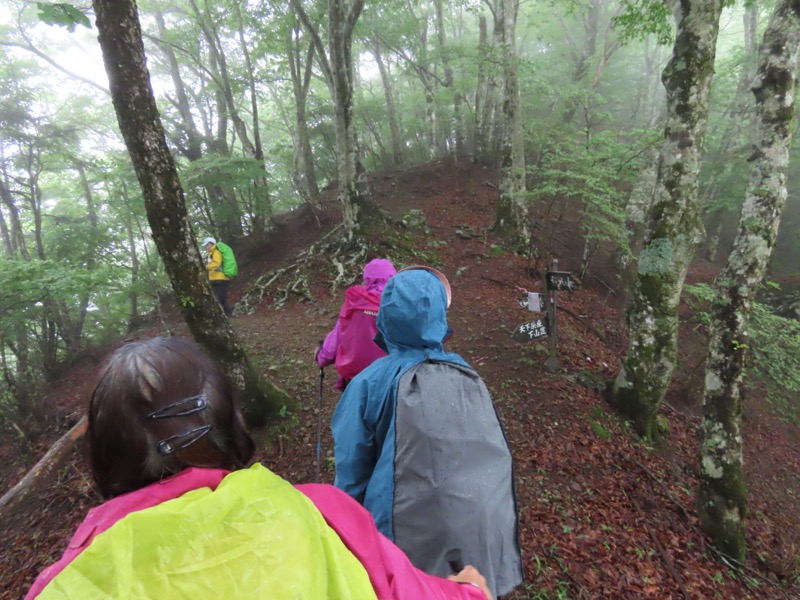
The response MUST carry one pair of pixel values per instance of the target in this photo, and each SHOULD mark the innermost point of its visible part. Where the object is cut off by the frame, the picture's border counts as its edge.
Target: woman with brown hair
(183, 518)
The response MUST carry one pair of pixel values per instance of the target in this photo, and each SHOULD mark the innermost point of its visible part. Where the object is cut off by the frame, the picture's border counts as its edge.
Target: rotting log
(46, 464)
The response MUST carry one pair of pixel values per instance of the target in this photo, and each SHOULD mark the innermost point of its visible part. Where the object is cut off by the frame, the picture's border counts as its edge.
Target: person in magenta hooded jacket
(350, 343)
(185, 518)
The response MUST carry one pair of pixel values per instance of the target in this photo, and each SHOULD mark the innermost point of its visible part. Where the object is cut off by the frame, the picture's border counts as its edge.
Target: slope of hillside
(601, 513)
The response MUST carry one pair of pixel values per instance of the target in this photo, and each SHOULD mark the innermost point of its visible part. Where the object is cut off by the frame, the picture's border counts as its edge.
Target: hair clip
(187, 406)
(166, 447)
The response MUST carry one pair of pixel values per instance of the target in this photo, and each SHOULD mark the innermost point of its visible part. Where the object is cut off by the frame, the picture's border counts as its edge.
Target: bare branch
(33, 50)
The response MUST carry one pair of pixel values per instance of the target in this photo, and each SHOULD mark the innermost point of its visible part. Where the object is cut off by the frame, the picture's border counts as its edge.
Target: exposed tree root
(346, 256)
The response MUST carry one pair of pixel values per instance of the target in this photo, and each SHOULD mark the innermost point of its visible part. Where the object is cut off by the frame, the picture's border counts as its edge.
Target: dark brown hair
(143, 378)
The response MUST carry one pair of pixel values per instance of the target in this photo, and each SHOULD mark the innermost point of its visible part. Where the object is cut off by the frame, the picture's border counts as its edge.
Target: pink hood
(376, 273)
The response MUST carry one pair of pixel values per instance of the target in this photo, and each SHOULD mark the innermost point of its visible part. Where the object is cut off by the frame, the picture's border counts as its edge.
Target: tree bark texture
(721, 498)
(120, 37)
(511, 217)
(675, 229)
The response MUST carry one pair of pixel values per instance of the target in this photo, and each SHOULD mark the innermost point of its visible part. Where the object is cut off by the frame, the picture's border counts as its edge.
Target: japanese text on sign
(561, 281)
(530, 331)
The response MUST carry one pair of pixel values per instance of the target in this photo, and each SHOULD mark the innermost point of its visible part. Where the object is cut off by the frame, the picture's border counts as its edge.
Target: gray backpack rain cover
(453, 485)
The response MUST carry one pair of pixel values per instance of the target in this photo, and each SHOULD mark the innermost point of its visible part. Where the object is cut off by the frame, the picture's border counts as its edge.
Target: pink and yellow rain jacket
(208, 533)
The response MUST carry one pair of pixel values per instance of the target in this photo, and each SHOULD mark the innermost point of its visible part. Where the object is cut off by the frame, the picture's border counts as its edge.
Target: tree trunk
(456, 130)
(217, 53)
(721, 498)
(337, 65)
(192, 148)
(394, 127)
(487, 122)
(738, 127)
(511, 217)
(72, 334)
(301, 79)
(430, 119)
(481, 92)
(676, 228)
(5, 232)
(120, 36)
(637, 209)
(261, 201)
(642, 195)
(582, 58)
(133, 294)
(17, 237)
(34, 169)
(227, 214)
(651, 89)
(492, 110)
(17, 377)
(258, 150)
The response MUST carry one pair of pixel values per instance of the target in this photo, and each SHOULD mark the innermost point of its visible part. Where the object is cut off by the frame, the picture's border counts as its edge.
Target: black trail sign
(561, 281)
(530, 331)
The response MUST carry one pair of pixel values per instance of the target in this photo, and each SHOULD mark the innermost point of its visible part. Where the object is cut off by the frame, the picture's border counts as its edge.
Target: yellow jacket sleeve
(255, 536)
(214, 265)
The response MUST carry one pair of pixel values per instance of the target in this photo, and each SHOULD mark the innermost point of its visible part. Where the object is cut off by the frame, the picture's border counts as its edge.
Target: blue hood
(413, 311)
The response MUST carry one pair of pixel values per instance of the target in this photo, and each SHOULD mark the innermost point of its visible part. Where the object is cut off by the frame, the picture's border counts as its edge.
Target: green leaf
(64, 15)
(644, 17)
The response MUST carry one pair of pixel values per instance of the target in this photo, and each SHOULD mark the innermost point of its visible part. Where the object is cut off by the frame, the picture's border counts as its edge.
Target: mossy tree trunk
(511, 217)
(120, 37)
(675, 229)
(721, 498)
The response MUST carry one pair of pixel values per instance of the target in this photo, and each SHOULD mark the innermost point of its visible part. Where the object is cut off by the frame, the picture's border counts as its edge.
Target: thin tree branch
(352, 17)
(32, 49)
(322, 57)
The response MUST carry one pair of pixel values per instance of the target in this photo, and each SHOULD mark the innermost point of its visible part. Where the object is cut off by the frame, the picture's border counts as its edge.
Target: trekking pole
(319, 424)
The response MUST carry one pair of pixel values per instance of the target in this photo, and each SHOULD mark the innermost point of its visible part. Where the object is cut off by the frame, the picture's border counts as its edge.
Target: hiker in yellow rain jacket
(183, 519)
(219, 281)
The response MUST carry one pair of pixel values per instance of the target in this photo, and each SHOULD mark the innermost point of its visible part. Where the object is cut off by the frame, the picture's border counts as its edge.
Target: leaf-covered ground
(602, 515)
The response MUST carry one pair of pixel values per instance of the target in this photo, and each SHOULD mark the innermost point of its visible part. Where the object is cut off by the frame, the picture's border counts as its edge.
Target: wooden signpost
(554, 281)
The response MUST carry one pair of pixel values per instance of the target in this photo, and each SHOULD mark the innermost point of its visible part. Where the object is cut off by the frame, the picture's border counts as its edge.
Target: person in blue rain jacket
(418, 442)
